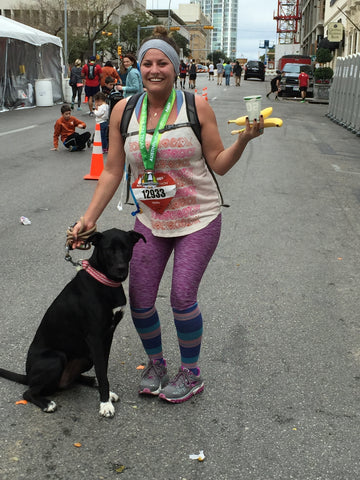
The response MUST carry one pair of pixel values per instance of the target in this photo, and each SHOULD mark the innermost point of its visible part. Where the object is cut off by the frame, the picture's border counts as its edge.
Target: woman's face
(157, 71)
(127, 62)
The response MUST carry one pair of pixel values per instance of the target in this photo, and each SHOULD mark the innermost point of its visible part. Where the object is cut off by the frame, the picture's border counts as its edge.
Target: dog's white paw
(114, 397)
(51, 407)
(107, 409)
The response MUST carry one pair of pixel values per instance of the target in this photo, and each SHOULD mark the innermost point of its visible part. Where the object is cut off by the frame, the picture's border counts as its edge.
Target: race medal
(156, 196)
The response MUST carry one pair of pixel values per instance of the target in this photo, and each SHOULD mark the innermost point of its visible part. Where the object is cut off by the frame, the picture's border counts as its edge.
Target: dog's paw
(114, 397)
(51, 407)
(107, 409)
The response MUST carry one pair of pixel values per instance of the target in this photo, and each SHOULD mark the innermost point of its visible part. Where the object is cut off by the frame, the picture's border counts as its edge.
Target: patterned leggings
(192, 254)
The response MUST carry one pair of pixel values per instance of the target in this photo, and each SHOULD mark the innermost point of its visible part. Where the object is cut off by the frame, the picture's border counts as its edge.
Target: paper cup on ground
(253, 107)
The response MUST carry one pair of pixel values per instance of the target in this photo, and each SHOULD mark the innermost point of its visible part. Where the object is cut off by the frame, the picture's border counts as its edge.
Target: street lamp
(65, 38)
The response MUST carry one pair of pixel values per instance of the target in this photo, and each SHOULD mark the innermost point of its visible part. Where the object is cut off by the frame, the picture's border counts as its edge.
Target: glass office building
(223, 15)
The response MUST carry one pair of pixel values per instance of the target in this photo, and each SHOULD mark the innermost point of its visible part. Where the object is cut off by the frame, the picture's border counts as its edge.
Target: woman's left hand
(254, 129)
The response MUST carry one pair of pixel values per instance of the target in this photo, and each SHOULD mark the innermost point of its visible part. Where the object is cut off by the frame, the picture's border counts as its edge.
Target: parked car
(289, 82)
(254, 69)
(201, 68)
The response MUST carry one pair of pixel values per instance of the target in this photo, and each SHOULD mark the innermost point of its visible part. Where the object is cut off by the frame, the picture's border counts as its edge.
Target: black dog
(77, 330)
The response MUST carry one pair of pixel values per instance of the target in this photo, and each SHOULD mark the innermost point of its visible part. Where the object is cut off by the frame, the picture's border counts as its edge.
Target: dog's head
(113, 251)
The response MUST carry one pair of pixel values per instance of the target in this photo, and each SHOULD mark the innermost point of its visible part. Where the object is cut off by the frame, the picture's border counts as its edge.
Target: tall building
(223, 15)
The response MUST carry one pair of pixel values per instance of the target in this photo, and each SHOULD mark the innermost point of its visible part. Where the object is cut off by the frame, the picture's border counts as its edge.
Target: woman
(133, 77)
(108, 70)
(189, 226)
(76, 83)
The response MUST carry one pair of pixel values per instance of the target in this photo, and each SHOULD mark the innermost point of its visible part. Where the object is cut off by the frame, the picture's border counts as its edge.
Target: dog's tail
(15, 377)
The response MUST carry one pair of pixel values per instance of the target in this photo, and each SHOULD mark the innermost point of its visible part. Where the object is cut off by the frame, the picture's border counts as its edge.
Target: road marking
(17, 130)
(339, 170)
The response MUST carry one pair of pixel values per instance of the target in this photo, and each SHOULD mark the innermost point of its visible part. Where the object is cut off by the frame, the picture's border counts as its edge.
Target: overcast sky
(255, 24)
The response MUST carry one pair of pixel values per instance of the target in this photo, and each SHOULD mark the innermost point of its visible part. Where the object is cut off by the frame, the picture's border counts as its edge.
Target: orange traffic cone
(86, 99)
(204, 93)
(97, 159)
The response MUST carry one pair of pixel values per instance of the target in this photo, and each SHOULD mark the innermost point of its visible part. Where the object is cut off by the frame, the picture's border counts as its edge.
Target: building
(223, 15)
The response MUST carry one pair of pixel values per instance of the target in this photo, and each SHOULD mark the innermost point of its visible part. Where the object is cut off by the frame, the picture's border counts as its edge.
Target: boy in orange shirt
(65, 128)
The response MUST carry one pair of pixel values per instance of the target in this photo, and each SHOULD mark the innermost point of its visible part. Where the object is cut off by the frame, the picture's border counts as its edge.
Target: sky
(255, 24)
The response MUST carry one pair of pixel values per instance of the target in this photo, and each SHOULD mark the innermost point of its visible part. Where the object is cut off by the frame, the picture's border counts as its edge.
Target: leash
(83, 236)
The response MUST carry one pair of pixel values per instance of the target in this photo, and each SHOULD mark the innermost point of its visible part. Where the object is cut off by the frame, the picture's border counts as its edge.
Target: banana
(273, 122)
(242, 120)
(268, 122)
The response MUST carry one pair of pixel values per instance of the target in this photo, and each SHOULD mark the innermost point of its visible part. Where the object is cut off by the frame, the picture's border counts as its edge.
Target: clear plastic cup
(253, 107)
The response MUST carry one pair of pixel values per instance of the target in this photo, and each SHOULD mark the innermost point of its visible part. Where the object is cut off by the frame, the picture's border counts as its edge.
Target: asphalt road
(280, 301)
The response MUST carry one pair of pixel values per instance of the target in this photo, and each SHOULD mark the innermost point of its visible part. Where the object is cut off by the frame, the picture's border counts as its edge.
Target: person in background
(188, 227)
(76, 83)
(91, 72)
(211, 71)
(303, 85)
(102, 116)
(133, 78)
(275, 85)
(237, 70)
(220, 72)
(108, 85)
(108, 70)
(182, 74)
(227, 70)
(122, 73)
(192, 74)
(65, 129)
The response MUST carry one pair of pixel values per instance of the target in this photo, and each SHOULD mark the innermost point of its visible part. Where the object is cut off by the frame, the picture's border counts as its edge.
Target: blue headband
(164, 47)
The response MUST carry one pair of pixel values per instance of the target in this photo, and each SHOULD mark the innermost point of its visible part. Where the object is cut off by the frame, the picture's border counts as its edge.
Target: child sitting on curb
(65, 129)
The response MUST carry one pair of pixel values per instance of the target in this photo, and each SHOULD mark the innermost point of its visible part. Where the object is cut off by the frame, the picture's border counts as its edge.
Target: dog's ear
(136, 236)
(94, 239)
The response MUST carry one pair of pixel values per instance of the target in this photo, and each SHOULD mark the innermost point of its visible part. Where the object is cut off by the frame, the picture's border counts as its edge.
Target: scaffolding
(287, 21)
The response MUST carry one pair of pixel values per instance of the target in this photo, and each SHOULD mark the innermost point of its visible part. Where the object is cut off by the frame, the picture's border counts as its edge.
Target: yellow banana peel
(242, 120)
(268, 122)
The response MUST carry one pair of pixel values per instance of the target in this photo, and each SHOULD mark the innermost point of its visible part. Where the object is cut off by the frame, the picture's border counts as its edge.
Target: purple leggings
(192, 254)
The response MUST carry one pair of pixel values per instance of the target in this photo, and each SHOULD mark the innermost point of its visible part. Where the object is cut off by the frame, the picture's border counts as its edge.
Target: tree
(216, 55)
(85, 21)
(181, 42)
(323, 55)
(129, 28)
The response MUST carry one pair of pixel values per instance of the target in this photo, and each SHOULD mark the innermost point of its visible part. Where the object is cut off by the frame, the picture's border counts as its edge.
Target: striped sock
(147, 324)
(189, 327)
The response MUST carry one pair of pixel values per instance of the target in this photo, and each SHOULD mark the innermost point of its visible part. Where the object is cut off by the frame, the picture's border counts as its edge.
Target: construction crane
(287, 20)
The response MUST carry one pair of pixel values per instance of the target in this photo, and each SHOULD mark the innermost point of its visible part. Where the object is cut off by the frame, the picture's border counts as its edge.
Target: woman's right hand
(81, 226)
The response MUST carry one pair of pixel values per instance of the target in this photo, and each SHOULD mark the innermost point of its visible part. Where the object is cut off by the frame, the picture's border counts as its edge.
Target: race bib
(157, 197)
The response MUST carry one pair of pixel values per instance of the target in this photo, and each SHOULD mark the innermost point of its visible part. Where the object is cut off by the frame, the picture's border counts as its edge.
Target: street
(280, 302)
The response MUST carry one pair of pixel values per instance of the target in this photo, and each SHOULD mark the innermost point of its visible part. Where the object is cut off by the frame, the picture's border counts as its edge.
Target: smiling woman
(133, 77)
(180, 208)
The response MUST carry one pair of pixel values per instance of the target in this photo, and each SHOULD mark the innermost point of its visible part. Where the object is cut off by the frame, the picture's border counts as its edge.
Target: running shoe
(154, 377)
(182, 387)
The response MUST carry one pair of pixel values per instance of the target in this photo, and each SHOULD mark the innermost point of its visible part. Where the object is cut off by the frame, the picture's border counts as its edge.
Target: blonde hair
(77, 62)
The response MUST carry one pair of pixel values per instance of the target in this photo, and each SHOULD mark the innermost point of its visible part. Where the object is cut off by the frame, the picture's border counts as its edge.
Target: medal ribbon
(149, 157)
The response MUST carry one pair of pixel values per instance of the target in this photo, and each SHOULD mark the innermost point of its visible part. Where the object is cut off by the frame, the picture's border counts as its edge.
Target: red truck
(302, 59)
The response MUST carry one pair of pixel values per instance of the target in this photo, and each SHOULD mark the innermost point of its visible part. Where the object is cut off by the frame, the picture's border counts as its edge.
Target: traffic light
(174, 28)
(208, 27)
(119, 50)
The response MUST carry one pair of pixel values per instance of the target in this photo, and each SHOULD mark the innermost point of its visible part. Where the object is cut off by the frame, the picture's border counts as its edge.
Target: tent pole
(5, 73)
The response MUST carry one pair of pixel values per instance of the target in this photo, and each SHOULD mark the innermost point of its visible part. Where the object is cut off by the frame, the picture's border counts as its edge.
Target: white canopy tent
(26, 55)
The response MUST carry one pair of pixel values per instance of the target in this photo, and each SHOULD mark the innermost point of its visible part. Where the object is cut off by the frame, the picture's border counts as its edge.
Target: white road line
(17, 130)
(338, 169)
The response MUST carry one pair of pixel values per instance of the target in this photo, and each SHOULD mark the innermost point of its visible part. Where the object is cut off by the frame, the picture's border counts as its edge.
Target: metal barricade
(344, 95)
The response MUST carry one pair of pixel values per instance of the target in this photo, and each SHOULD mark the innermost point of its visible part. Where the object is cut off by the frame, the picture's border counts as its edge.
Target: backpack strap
(195, 125)
(128, 110)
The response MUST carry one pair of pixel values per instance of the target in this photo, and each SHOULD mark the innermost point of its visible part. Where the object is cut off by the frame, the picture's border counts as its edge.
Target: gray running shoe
(182, 387)
(154, 378)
